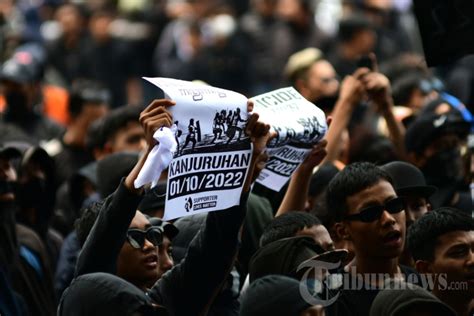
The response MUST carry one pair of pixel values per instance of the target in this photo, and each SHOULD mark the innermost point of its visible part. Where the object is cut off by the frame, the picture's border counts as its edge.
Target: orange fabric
(55, 104)
(2, 103)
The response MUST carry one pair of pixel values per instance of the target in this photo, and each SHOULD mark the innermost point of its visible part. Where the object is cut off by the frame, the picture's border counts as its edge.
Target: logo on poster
(188, 205)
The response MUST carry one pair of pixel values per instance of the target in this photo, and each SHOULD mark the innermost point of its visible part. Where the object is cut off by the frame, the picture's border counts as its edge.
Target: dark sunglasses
(136, 237)
(372, 213)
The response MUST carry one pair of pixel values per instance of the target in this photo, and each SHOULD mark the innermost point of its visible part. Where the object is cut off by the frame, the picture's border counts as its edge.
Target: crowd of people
(377, 219)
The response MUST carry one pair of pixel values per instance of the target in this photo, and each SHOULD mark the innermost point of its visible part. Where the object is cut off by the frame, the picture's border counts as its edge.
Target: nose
(471, 258)
(147, 246)
(387, 219)
(166, 262)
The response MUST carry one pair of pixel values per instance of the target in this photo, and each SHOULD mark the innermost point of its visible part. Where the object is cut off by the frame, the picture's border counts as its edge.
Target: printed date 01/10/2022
(205, 181)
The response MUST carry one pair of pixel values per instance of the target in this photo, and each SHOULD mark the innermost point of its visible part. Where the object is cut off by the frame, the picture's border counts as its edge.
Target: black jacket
(99, 294)
(190, 287)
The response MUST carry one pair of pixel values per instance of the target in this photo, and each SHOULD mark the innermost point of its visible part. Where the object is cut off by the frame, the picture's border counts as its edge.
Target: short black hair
(85, 222)
(423, 234)
(287, 225)
(86, 91)
(349, 27)
(403, 87)
(352, 179)
(118, 119)
(370, 147)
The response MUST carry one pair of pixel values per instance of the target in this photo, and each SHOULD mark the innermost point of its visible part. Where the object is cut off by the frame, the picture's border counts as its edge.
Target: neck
(348, 52)
(377, 265)
(461, 304)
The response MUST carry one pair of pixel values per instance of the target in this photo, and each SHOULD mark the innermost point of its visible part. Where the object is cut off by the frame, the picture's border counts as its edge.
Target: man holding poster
(190, 286)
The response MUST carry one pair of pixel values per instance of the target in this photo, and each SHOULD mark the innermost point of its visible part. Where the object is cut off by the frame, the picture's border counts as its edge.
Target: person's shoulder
(406, 270)
(411, 275)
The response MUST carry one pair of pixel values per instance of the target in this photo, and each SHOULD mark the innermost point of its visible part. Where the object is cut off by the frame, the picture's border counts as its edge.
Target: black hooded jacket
(189, 287)
(104, 294)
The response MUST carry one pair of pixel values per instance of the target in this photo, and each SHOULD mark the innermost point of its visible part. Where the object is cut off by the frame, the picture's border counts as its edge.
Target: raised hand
(316, 155)
(154, 116)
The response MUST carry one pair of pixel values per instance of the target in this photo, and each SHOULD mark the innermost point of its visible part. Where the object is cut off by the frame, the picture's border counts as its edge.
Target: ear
(423, 266)
(300, 85)
(108, 147)
(341, 230)
(429, 207)
(416, 159)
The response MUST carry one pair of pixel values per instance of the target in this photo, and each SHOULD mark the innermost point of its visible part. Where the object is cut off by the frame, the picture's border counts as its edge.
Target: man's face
(454, 256)
(289, 10)
(442, 160)
(94, 111)
(382, 238)
(165, 259)
(320, 235)
(321, 81)
(20, 98)
(8, 174)
(416, 207)
(139, 266)
(129, 138)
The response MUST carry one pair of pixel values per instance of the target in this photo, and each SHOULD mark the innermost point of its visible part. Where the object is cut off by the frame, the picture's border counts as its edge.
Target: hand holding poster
(210, 164)
(299, 125)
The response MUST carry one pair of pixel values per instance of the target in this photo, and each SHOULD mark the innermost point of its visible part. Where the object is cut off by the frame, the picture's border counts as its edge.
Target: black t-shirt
(355, 299)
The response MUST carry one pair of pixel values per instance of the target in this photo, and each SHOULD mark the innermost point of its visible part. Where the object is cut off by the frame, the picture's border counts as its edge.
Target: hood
(105, 294)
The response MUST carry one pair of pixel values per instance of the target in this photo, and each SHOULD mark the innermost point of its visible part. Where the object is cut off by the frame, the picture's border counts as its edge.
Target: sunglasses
(136, 237)
(372, 213)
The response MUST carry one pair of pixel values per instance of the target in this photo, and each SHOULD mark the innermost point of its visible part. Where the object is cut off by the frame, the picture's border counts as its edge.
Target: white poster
(299, 125)
(213, 154)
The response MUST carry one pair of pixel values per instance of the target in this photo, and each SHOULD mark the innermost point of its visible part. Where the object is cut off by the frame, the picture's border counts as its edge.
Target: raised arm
(211, 255)
(101, 249)
(297, 193)
(378, 89)
(351, 94)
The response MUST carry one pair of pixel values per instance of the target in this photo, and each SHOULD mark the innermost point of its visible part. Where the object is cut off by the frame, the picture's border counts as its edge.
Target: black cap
(169, 229)
(400, 298)
(273, 295)
(284, 256)
(154, 199)
(112, 169)
(105, 294)
(408, 179)
(21, 68)
(429, 127)
(321, 178)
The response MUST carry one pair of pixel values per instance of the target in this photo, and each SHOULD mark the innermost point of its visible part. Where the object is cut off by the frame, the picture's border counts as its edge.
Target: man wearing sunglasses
(190, 286)
(370, 215)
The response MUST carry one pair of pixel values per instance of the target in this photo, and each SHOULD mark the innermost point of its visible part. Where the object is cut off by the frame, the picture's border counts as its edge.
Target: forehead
(318, 232)
(378, 193)
(139, 221)
(322, 68)
(448, 240)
